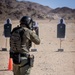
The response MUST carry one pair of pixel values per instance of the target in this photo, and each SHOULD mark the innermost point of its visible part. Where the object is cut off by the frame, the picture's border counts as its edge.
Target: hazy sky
(55, 3)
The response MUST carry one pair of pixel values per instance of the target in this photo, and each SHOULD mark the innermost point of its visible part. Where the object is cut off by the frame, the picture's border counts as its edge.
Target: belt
(24, 55)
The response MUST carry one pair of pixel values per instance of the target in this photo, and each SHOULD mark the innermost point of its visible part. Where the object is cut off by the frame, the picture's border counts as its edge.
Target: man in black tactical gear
(27, 36)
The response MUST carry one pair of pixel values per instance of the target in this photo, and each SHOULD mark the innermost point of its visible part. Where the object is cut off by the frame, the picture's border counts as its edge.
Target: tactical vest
(16, 39)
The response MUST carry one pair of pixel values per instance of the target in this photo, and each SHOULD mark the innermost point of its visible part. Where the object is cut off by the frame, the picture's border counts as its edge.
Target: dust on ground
(47, 60)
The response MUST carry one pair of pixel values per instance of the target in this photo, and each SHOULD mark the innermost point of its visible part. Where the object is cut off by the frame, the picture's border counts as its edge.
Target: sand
(48, 61)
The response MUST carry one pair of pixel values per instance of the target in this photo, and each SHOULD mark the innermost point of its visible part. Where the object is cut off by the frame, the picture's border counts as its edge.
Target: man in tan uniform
(28, 36)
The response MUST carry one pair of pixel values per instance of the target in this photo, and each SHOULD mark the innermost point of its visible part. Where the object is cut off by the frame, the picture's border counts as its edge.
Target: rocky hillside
(16, 9)
(65, 12)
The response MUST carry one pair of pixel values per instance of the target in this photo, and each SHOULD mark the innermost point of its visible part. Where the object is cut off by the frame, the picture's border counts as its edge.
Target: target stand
(5, 49)
(60, 50)
(7, 32)
(61, 34)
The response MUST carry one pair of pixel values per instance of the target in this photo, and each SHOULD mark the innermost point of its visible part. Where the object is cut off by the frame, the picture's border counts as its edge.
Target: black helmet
(26, 20)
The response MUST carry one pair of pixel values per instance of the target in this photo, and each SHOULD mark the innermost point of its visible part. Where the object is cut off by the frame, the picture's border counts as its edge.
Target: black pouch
(31, 60)
(16, 58)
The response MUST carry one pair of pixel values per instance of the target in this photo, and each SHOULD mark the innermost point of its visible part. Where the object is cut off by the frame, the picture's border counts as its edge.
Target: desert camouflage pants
(20, 69)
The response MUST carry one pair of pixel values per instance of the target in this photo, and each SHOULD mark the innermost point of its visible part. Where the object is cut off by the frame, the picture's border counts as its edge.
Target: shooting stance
(20, 43)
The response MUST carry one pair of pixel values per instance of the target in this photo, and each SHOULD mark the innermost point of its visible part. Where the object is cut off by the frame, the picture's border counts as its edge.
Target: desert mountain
(16, 9)
(65, 12)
